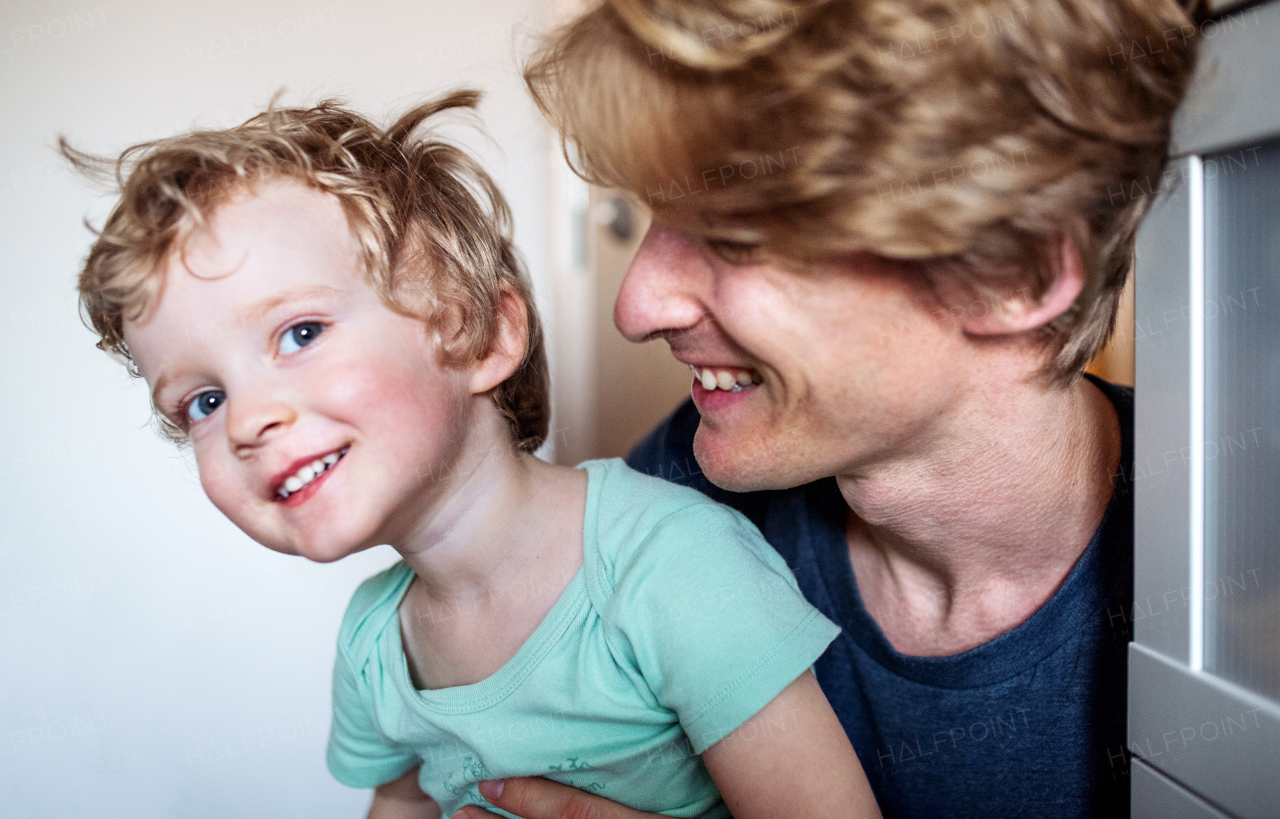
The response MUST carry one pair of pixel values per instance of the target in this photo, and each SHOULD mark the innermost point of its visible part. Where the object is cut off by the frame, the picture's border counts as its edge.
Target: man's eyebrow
(256, 312)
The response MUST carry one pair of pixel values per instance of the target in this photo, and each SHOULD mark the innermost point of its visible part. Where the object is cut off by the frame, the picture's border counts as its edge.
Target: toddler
(333, 317)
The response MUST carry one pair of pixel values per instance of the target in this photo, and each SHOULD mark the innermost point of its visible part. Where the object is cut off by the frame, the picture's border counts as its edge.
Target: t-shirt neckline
(1005, 656)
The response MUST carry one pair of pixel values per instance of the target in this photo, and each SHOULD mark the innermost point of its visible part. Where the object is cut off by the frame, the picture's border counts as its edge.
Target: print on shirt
(473, 770)
(574, 764)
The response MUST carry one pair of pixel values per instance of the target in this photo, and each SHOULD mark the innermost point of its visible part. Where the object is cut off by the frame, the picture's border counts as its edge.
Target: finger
(532, 797)
(474, 812)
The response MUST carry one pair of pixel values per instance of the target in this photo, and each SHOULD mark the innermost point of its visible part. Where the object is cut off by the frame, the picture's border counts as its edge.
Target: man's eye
(733, 252)
(204, 404)
(300, 335)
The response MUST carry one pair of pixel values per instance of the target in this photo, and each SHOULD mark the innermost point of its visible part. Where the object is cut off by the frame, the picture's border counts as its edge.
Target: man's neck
(955, 548)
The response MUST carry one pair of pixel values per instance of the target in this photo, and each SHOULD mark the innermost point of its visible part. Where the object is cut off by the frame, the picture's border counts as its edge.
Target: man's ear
(507, 351)
(1021, 311)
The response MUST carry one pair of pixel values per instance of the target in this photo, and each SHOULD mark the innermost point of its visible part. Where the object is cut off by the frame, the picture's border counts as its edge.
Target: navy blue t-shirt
(1030, 724)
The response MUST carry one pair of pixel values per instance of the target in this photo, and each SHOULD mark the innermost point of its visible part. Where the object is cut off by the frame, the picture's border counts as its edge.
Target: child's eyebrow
(315, 291)
(162, 383)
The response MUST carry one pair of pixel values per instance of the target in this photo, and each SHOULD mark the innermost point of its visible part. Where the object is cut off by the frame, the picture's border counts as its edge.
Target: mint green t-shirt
(682, 623)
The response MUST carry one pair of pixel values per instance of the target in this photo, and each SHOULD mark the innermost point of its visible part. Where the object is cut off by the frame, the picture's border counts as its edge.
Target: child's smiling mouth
(306, 475)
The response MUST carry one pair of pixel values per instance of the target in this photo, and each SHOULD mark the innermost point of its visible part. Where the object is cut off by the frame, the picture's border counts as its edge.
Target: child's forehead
(259, 246)
(281, 222)
(271, 207)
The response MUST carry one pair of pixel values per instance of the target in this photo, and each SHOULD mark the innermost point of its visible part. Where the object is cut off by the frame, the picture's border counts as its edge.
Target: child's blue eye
(203, 405)
(300, 335)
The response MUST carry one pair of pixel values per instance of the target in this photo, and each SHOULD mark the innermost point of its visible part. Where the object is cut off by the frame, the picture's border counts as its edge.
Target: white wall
(154, 662)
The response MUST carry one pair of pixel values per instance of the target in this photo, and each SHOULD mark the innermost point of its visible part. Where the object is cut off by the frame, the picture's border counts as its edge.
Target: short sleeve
(359, 754)
(712, 618)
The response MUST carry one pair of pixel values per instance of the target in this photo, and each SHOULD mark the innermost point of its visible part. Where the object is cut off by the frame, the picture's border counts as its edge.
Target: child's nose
(253, 424)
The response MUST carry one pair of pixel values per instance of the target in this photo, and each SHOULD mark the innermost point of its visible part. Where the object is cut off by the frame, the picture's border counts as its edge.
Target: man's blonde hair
(433, 230)
(960, 137)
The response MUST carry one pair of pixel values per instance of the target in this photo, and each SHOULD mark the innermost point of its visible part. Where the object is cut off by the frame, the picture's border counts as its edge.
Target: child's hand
(532, 797)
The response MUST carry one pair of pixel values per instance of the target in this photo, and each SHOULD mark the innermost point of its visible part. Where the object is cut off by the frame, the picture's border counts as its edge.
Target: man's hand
(532, 797)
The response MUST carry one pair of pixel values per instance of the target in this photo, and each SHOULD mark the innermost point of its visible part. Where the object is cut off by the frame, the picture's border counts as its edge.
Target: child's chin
(315, 552)
(327, 548)
(326, 557)
(328, 552)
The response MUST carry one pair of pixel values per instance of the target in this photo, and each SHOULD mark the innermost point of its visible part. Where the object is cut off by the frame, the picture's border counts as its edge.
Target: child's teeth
(708, 380)
(744, 378)
(310, 472)
(725, 380)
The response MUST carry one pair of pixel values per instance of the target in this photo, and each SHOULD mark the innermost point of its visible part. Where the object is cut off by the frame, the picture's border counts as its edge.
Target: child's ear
(1021, 310)
(507, 351)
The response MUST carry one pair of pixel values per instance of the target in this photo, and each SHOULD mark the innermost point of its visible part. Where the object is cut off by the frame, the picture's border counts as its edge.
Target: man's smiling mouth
(732, 379)
(304, 476)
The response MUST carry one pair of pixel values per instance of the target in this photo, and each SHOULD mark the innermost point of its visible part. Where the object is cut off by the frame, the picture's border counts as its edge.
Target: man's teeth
(712, 379)
(310, 472)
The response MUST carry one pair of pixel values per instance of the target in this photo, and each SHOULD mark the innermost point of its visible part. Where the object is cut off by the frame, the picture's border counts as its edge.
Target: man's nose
(662, 291)
(254, 421)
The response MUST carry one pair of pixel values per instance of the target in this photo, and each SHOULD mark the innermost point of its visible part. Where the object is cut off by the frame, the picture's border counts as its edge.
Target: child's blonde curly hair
(434, 231)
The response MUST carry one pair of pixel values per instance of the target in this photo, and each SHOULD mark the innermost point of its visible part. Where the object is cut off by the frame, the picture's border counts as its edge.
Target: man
(888, 237)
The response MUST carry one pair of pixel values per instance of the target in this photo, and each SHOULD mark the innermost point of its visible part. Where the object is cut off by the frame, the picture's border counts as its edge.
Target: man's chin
(736, 467)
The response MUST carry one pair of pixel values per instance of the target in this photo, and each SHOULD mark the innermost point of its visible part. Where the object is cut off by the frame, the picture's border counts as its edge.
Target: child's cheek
(228, 489)
(215, 472)
(419, 416)
(402, 397)
(218, 483)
